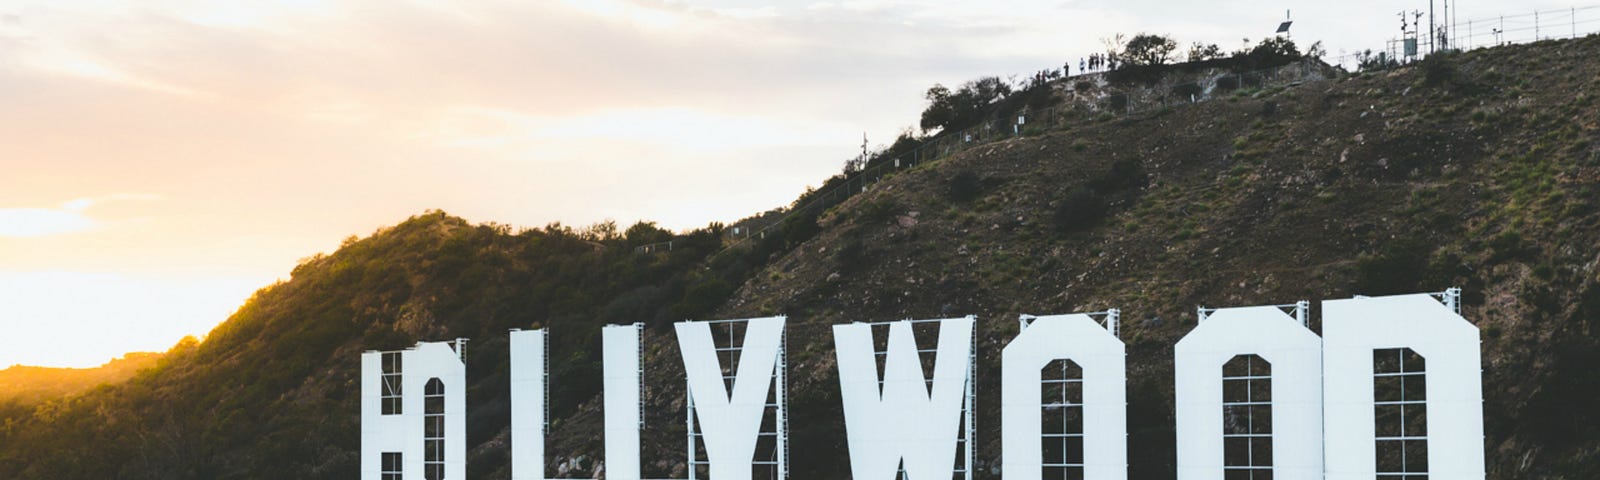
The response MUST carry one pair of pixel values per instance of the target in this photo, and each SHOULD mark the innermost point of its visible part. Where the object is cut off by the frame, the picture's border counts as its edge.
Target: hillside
(28, 384)
(1479, 170)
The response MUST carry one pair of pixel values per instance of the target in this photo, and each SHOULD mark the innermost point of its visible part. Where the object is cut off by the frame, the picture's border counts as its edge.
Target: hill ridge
(1478, 169)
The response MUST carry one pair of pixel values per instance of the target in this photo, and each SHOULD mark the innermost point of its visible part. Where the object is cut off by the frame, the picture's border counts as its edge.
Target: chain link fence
(1131, 100)
(1484, 32)
(1135, 100)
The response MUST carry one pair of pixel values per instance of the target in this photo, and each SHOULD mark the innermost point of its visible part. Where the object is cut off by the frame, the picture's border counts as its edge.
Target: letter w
(902, 420)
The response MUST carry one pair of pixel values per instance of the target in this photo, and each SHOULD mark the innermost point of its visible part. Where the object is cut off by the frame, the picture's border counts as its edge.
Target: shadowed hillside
(1479, 170)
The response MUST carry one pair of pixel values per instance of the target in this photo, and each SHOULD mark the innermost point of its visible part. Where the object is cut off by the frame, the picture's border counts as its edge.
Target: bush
(1119, 102)
(903, 147)
(1201, 52)
(964, 107)
(1040, 97)
(1507, 245)
(878, 212)
(1148, 50)
(1227, 83)
(1367, 61)
(852, 252)
(701, 298)
(1439, 69)
(1186, 91)
(1125, 173)
(1397, 267)
(964, 186)
(1081, 208)
(798, 228)
(1271, 52)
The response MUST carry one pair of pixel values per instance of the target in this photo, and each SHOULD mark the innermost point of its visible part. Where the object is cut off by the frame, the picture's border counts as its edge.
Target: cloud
(70, 217)
(40, 222)
(696, 130)
(84, 67)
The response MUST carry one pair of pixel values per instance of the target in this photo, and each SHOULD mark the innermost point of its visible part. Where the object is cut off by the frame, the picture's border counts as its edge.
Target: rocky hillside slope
(1479, 170)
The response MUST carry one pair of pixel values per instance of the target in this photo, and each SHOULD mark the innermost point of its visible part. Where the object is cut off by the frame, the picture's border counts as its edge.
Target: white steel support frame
(1301, 311)
(639, 328)
(1249, 403)
(779, 407)
(1064, 405)
(1111, 319)
(1451, 298)
(970, 433)
(1401, 437)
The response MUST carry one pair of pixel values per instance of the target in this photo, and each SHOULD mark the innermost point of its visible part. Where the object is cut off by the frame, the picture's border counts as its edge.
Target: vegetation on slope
(31, 385)
(1479, 170)
(273, 393)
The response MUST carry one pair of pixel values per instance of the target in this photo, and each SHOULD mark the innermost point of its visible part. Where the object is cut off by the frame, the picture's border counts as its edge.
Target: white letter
(1448, 344)
(528, 386)
(399, 432)
(903, 421)
(1078, 338)
(621, 345)
(1295, 357)
(730, 426)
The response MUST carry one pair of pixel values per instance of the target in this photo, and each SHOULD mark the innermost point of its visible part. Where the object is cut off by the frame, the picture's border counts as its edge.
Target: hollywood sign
(1392, 389)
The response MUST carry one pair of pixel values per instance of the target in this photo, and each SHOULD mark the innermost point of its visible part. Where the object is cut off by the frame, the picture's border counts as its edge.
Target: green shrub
(1507, 245)
(878, 211)
(852, 252)
(1228, 83)
(1186, 91)
(1439, 69)
(1119, 102)
(964, 186)
(1080, 208)
(1544, 271)
(1123, 174)
(1397, 267)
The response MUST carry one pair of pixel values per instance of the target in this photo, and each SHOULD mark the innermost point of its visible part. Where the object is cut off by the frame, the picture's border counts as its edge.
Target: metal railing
(1534, 26)
(1495, 31)
(1026, 122)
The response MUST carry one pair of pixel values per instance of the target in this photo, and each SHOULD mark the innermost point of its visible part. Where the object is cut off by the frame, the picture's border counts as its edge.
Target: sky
(162, 159)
